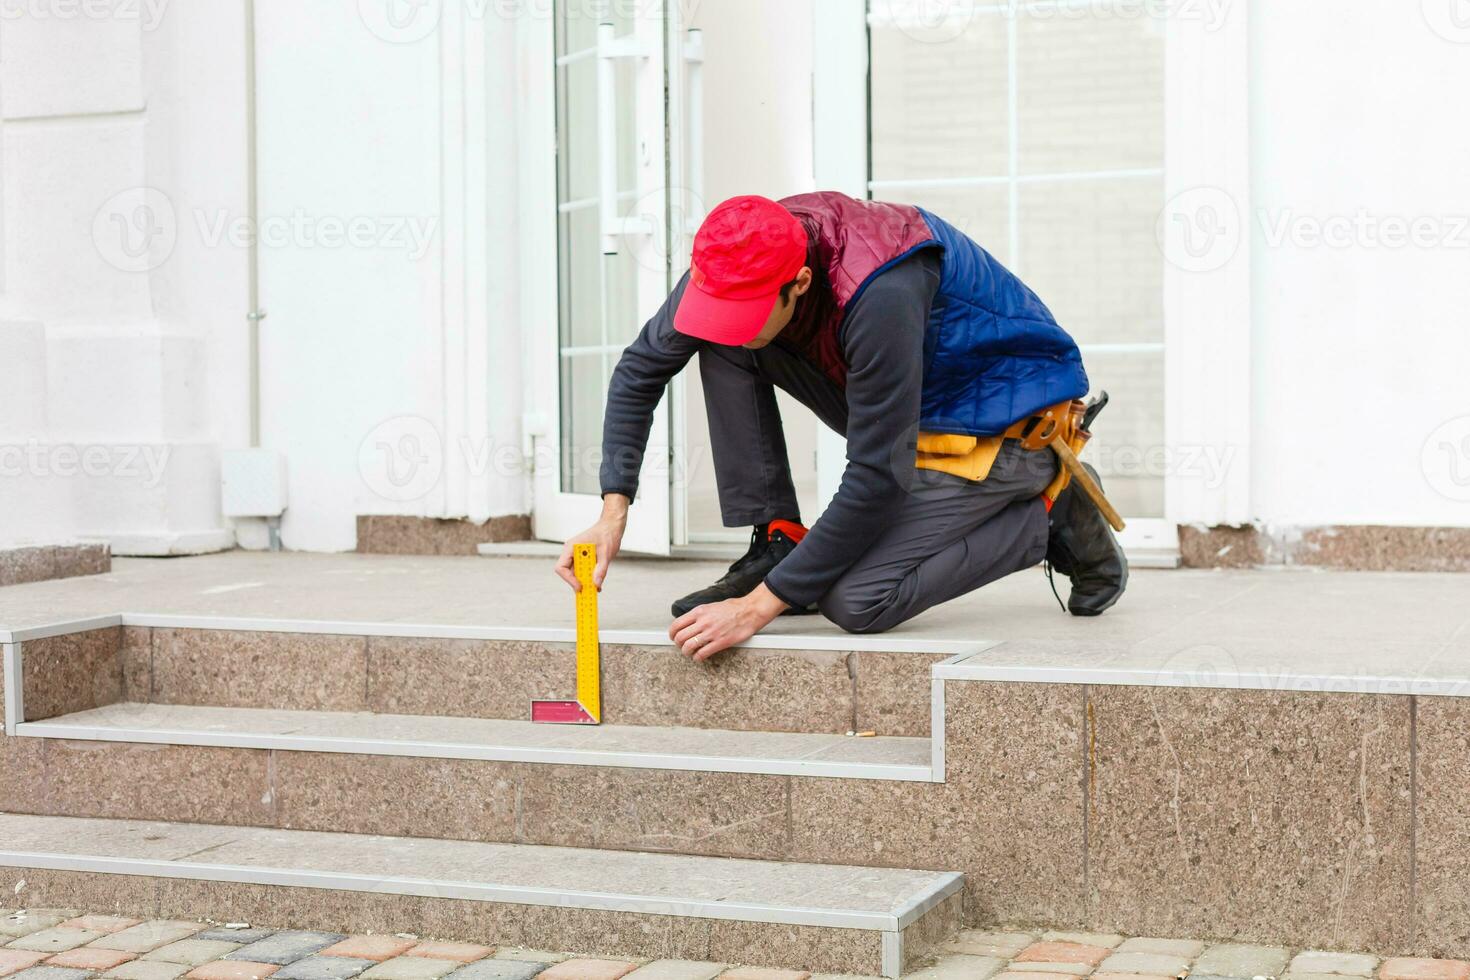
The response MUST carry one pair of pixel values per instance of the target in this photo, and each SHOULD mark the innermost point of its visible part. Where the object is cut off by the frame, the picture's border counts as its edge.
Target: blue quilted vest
(993, 353)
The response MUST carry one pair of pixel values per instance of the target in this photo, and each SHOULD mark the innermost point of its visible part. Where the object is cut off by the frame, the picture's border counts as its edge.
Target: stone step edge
(12, 645)
(516, 742)
(843, 643)
(913, 903)
(978, 660)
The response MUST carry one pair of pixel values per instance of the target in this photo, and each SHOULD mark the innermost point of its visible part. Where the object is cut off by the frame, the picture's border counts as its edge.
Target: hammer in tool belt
(1055, 427)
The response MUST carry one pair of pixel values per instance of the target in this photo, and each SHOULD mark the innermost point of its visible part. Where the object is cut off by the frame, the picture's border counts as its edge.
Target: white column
(1204, 231)
(840, 152)
(119, 448)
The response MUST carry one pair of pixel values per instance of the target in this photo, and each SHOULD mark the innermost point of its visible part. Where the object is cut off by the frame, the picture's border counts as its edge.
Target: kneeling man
(929, 356)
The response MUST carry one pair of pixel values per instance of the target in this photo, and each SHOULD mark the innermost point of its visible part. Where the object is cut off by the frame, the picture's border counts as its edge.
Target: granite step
(803, 684)
(832, 918)
(500, 740)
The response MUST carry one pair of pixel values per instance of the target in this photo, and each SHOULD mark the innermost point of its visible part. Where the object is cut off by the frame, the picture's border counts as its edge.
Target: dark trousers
(951, 536)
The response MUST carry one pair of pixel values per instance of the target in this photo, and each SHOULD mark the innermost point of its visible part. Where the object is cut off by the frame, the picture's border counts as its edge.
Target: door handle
(613, 227)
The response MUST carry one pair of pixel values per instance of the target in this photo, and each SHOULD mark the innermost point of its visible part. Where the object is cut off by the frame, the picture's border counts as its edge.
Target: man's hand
(606, 534)
(706, 630)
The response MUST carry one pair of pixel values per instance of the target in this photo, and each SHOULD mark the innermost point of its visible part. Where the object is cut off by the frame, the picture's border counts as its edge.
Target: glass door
(598, 215)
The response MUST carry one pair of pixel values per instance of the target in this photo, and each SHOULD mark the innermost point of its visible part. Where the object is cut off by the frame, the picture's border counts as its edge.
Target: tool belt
(1057, 428)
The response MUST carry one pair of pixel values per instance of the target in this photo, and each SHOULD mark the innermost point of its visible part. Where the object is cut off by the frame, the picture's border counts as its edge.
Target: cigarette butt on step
(862, 734)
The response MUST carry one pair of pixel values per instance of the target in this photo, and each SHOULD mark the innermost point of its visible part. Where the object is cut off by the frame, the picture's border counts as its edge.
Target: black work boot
(769, 543)
(1082, 547)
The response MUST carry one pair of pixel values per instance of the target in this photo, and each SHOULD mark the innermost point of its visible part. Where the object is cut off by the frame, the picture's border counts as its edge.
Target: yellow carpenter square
(587, 708)
(589, 666)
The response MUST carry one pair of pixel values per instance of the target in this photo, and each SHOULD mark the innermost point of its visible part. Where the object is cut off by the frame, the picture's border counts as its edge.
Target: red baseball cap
(745, 251)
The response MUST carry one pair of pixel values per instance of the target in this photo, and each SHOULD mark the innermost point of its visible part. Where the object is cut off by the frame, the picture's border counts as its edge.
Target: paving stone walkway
(67, 944)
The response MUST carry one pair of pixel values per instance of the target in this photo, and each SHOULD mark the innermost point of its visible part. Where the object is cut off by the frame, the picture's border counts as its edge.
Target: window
(1038, 129)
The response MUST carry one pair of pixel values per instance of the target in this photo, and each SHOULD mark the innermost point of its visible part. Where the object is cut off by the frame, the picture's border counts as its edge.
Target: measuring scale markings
(587, 708)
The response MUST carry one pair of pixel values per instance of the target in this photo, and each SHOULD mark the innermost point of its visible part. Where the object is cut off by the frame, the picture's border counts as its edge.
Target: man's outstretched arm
(883, 338)
(638, 382)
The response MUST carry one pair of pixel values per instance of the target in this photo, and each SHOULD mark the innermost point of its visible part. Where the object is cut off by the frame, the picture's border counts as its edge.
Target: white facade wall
(390, 352)
(1360, 350)
(111, 437)
(392, 367)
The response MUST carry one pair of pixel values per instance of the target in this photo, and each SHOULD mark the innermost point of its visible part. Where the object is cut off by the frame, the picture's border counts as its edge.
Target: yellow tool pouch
(964, 456)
